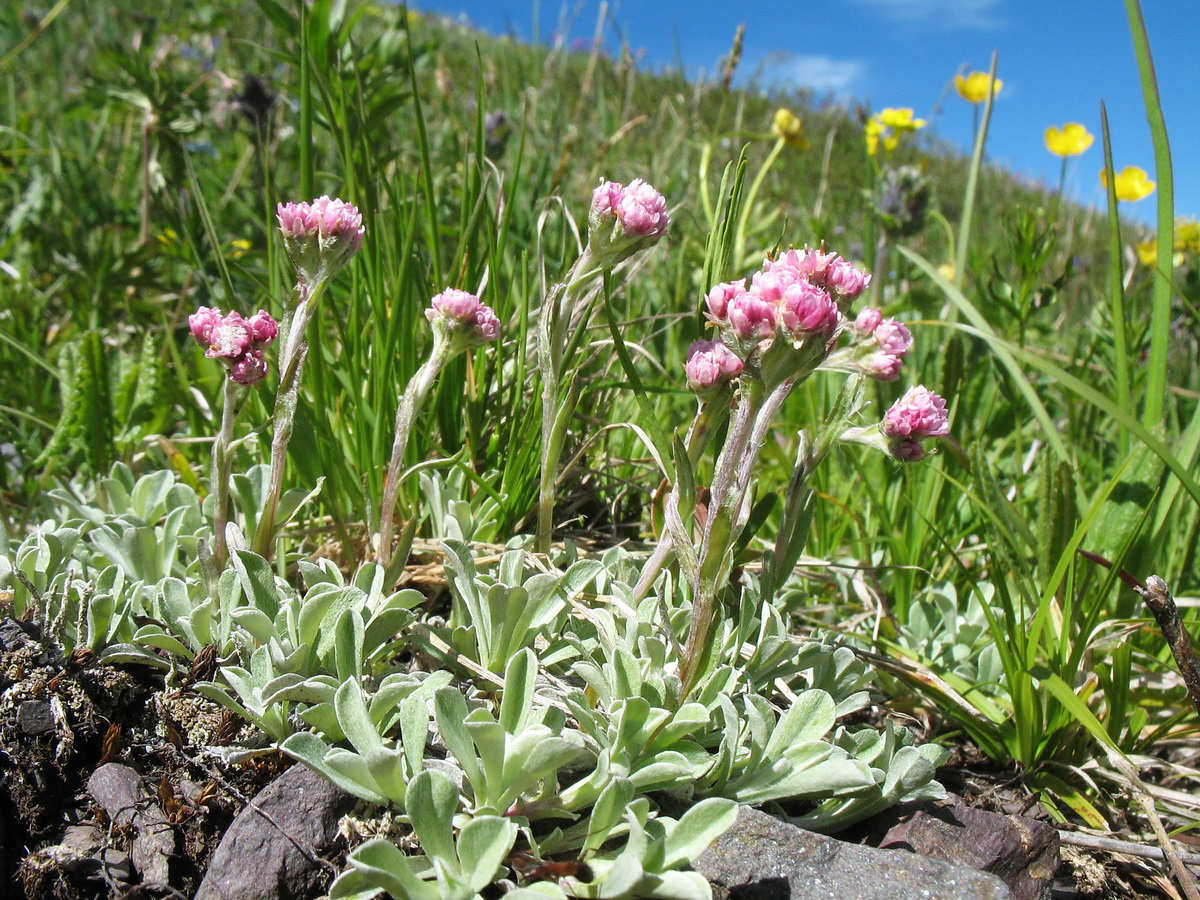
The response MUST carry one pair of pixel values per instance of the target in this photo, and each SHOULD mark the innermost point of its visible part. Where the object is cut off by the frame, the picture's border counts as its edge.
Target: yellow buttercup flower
(888, 126)
(1187, 235)
(974, 87)
(787, 127)
(1132, 184)
(238, 248)
(900, 119)
(1070, 140)
(1147, 254)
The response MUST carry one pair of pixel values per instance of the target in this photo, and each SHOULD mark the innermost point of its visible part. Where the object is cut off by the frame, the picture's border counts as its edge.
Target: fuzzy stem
(406, 413)
(291, 363)
(553, 319)
(708, 419)
(222, 461)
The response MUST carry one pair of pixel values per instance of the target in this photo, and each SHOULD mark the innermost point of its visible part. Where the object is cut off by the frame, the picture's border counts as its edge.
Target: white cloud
(972, 15)
(821, 74)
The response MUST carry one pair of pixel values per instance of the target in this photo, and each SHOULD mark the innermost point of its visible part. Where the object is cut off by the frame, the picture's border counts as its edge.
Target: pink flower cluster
(638, 207)
(236, 341)
(464, 314)
(919, 414)
(321, 236)
(881, 344)
(799, 295)
(710, 364)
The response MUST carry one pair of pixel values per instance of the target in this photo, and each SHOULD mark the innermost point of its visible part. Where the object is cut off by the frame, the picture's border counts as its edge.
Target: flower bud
(718, 299)
(202, 322)
(867, 321)
(751, 318)
(920, 413)
(806, 310)
(249, 368)
(263, 329)
(710, 365)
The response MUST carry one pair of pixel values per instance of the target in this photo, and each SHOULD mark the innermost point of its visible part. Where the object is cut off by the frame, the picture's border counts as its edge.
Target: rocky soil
(115, 785)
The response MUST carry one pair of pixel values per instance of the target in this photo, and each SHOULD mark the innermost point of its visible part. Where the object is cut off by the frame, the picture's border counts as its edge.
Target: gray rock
(278, 858)
(34, 717)
(1023, 852)
(119, 791)
(762, 858)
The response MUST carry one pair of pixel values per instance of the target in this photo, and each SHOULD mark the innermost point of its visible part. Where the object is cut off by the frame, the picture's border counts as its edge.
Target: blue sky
(1057, 58)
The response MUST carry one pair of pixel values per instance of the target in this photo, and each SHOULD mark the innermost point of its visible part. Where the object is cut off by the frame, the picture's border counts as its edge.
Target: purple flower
(805, 310)
(249, 368)
(710, 364)
(920, 413)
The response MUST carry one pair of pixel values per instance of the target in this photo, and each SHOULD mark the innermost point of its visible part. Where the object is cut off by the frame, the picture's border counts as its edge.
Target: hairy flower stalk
(622, 220)
(459, 322)
(782, 328)
(239, 344)
(320, 238)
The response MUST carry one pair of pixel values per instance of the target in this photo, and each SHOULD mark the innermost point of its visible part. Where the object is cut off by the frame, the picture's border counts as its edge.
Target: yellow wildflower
(900, 119)
(168, 237)
(1070, 140)
(974, 87)
(1132, 183)
(789, 129)
(888, 126)
(1147, 252)
(872, 130)
(947, 271)
(238, 248)
(1187, 235)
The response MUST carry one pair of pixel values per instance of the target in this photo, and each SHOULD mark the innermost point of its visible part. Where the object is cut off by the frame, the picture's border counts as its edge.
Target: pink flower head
(249, 368)
(710, 364)
(464, 316)
(229, 338)
(774, 279)
(750, 317)
(606, 199)
(845, 280)
(867, 321)
(893, 337)
(718, 298)
(624, 219)
(202, 322)
(920, 413)
(643, 211)
(235, 341)
(263, 329)
(454, 304)
(808, 263)
(805, 310)
(320, 237)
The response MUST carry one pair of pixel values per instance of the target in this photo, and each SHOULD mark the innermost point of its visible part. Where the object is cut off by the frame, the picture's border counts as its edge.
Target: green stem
(964, 233)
